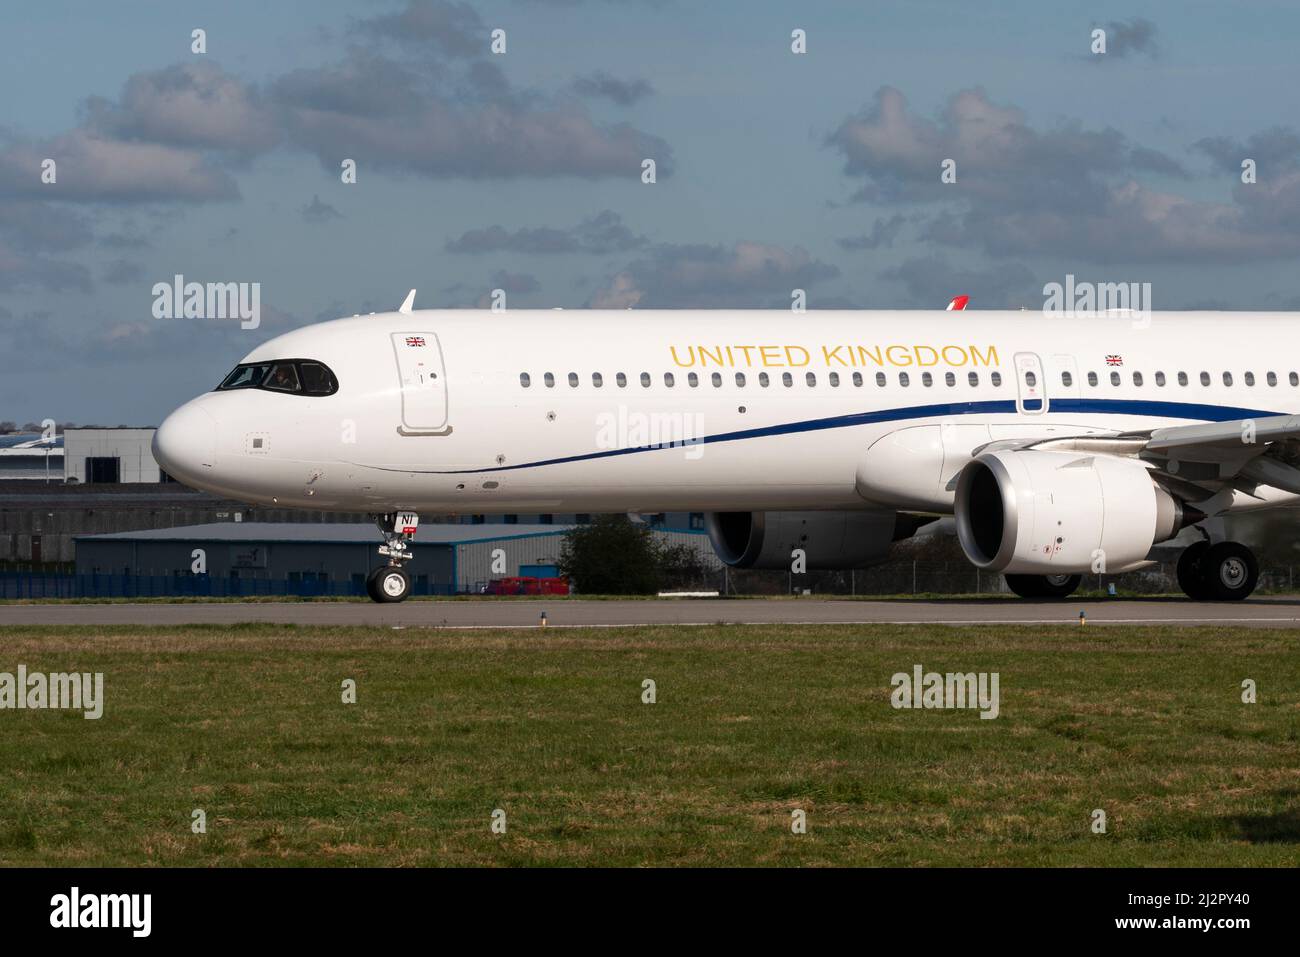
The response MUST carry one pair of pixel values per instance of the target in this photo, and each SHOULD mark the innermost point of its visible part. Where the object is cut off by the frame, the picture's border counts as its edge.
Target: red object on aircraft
(958, 303)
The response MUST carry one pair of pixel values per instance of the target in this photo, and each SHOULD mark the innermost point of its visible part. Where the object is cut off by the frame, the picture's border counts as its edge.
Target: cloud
(452, 29)
(1277, 148)
(883, 233)
(931, 281)
(746, 274)
(121, 272)
(1125, 37)
(1063, 190)
(621, 92)
(318, 212)
(600, 234)
(514, 282)
(196, 105)
(391, 118)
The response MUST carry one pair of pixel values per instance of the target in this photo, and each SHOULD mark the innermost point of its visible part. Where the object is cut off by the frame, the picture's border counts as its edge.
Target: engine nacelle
(830, 540)
(1042, 512)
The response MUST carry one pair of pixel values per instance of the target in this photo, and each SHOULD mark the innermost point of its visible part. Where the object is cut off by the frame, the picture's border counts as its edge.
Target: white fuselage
(432, 414)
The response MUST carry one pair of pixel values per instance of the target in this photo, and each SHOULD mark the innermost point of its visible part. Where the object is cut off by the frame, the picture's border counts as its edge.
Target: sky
(522, 170)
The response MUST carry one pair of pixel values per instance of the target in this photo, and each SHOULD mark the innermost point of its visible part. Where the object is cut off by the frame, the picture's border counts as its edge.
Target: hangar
(450, 558)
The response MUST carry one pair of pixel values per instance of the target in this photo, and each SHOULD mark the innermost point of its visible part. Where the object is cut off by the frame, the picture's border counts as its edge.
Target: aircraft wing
(1239, 453)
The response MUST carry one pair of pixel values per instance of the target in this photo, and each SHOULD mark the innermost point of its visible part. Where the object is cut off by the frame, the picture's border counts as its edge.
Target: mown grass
(750, 723)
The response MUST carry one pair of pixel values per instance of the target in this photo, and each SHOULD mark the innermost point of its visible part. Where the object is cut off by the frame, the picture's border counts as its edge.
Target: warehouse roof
(325, 533)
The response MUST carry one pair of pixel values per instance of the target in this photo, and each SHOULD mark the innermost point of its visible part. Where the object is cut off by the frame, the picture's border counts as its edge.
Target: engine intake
(1052, 512)
(830, 540)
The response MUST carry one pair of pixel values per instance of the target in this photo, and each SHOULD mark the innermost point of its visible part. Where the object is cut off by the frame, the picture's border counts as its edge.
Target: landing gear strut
(1226, 571)
(390, 583)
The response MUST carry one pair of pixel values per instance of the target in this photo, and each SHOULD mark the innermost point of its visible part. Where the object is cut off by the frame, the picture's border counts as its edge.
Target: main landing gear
(1226, 571)
(1043, 586)
(390, 583)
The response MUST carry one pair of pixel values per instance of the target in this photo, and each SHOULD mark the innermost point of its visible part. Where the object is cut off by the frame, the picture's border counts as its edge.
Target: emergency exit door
(1031, 386)
(424, 381)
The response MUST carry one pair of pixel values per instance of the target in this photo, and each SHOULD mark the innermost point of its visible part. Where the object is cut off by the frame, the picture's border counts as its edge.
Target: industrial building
(110, 456)
(30, 455)
(450, 558)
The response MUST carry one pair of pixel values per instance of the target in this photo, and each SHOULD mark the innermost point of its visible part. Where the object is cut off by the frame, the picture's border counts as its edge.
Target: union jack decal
(1114, 360)
(415, 340)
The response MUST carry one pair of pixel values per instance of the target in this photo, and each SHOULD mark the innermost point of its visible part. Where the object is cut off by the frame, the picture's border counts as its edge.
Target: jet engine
(830, 540)
(1043, 512)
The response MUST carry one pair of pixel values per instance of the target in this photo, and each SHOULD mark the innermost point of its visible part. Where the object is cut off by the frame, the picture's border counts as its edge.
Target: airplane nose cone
(185, 445)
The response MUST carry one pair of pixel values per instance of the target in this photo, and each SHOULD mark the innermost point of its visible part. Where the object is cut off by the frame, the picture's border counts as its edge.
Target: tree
(612, 556)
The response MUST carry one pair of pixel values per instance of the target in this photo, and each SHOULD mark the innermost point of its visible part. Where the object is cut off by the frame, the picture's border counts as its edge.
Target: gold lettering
(770, 360)
(864, 354)
(962, 357)
(684, 365)
(905, 361)
(931, 350)
(988, 359)
(715, 357)
(790, 358)
(827, 353)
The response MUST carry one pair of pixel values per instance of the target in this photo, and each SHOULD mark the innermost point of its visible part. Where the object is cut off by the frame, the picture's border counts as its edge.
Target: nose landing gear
(391, 583)
(1226, 571)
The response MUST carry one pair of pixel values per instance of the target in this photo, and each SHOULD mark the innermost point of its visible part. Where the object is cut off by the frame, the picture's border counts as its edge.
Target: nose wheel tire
(1043, 586)
(388, 583)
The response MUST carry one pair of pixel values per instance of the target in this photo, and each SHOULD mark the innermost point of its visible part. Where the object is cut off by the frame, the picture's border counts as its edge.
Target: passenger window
(995, 378)
(810, 379)
(283, 378)
(621, 379)
(857, 379)
(1160, 378)
(1250, 378)
(740, 379)
(645, 380)
(1205, 378)
(1227, 378)
(573, 380)
(1066, 379)
(973, 378)
(523, 379)
(549, 380)
(880, 379)
(1294, 379)
(1092, 378)
(835, 379)
(904, 379)
(1031, 380)
(927, 380)
(1114, 378)
(1271, 378)
(949, 378)
(1137, 378)
(763, 380)
(693, 380)
(787, 379)
(1182, 378)
(669, 380)
(597, 379)
(716, 379)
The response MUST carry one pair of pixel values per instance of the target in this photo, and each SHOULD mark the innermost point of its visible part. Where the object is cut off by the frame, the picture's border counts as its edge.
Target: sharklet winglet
(405, 307)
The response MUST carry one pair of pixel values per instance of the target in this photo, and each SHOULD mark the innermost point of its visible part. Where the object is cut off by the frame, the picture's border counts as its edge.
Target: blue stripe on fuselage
(1166, 410)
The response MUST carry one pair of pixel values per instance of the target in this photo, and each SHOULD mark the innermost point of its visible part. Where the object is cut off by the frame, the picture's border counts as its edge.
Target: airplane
(1062, 446)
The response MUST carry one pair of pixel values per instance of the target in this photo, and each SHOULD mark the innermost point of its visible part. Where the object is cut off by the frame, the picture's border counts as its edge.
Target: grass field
(750, 723)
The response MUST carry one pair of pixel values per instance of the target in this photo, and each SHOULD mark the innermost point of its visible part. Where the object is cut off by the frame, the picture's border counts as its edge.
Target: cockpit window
(297, 376)
(245, 377)
(283, 378)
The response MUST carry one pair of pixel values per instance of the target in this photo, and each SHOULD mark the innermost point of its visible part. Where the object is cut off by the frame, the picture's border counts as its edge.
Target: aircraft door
(1031, 389)
(423, 380)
